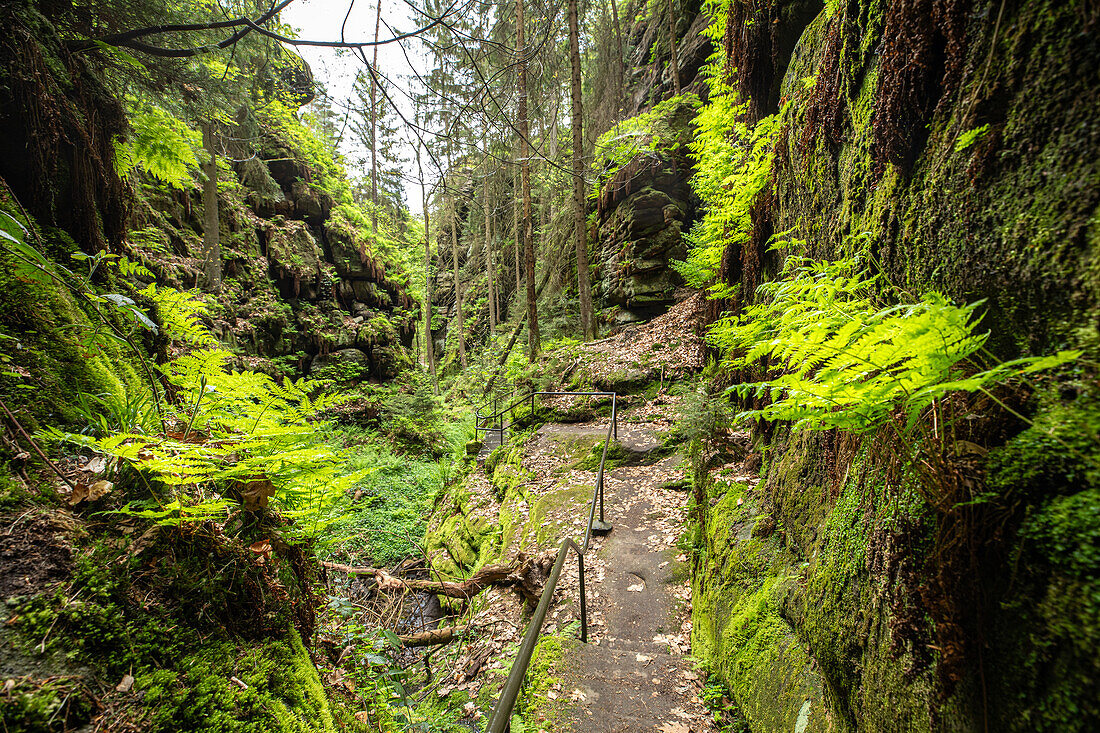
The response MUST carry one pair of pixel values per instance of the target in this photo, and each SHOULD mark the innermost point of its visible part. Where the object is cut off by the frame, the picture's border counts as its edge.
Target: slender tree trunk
(429, 342)
(458, 289)
(374, 126)
(674, 62)
(516, 235)
(620, 69)
(533, 345)
(491, 276)
(211, 236)
(584, 285)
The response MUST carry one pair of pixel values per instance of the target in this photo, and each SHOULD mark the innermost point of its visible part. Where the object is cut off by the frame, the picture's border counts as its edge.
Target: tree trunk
(458, 289)
(515, 229)
(211, 236)
(674, 63)
(620, 72)
(527, 576)
(491, 276)
(533, 345)
(429, 342)
(584, 285)
(374, 126)
(444, 635)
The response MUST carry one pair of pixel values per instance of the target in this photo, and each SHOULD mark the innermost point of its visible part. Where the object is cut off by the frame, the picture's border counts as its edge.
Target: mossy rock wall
(960, 140)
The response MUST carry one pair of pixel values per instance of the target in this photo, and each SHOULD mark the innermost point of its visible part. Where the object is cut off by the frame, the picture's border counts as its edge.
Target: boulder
(344, 365)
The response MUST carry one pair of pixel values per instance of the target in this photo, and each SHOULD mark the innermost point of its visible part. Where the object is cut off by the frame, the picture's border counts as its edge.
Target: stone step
(490, 441)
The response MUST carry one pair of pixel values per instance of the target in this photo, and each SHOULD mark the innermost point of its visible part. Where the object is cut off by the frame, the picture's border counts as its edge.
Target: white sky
(336, 69)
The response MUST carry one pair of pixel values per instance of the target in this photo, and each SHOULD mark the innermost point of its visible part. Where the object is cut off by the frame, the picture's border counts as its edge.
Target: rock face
(646, 206)
(642, 215)
(304, 294)
(960, 140)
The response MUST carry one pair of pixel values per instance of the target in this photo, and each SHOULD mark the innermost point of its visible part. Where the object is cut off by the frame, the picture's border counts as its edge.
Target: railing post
(584, 605)
(600, 479)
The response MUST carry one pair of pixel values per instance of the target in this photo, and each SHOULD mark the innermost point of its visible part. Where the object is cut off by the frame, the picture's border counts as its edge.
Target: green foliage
(240, 437)
(131, 412)
(970, 137)
(702, 416)
(283, 124)
(180, 313)
(733, 163)
(843, 360)
(658, 131)
(244, 438)
(161, 145)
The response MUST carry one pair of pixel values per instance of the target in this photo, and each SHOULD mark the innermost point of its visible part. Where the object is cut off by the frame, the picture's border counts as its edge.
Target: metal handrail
(502, 712)
(481, 421)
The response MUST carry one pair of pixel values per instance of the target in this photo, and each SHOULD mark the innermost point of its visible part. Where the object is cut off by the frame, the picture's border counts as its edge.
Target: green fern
(733, 164)
(236, 438)
(840, 359)
(180, 313)
(161, 145)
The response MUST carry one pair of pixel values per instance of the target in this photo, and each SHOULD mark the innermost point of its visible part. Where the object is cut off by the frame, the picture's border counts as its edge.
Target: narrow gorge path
(635, 674)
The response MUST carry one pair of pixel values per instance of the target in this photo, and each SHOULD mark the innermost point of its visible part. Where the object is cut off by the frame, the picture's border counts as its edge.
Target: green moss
(460, 543)
(63, 350)
(1048, 628)
(283, 694)
(533, 706)
(46, 706)
(740, 582)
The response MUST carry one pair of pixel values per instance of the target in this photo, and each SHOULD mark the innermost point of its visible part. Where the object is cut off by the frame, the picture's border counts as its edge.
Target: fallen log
(432, 637)
(526, 576)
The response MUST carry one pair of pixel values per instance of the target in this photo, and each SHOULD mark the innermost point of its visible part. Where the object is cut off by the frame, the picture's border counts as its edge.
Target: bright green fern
(840, 358)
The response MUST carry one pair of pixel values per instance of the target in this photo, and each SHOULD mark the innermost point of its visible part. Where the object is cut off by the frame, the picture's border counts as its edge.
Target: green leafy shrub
(658, 131)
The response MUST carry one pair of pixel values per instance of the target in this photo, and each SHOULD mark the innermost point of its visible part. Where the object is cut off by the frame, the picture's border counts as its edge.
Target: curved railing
(498, 722)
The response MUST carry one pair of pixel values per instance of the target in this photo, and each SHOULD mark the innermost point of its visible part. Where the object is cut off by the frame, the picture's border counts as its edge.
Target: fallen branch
(432, 637)
(34, 446)
(350, 569)
(525, 576)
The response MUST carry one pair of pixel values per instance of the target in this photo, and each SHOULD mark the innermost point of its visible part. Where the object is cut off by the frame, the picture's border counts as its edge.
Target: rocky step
(490, 442)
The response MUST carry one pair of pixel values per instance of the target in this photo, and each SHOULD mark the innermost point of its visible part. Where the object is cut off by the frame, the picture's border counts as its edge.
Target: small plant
(970, 137)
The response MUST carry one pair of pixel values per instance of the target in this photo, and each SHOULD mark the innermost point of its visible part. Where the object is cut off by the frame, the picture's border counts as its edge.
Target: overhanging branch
(130, 39)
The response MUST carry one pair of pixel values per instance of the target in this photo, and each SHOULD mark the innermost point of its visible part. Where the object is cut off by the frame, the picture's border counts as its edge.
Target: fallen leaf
(261, 548)
(674, 727)
(255, 492)
(95, 465)
(79, 494)
(362, 716)
(83, 492)
(126, 683)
